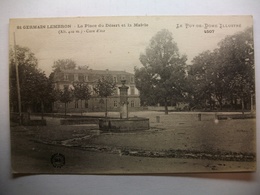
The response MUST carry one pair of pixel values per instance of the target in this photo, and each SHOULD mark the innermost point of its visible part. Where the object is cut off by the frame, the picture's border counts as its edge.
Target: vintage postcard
(132, 95)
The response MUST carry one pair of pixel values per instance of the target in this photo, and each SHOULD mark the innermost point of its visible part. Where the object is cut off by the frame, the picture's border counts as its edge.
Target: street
(179, 143)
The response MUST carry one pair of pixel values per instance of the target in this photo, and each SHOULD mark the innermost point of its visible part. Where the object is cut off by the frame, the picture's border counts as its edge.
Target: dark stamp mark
(58, 160)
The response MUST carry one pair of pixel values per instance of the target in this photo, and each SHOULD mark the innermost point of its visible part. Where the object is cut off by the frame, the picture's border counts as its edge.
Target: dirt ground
(178, 143)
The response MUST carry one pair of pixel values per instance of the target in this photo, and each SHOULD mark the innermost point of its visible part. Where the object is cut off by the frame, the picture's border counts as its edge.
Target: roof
(90, 71)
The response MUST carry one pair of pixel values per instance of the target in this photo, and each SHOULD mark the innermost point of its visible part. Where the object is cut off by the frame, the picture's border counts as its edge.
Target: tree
(240, 88)
(33, 82)
(200, 73)
(162, 77)
(237, 53)
(27, 63)
(81, 92)
(209, 79)
(63, 64)
(105, 87)
(41, 91)
(54, 96)
(54, 93)
(66, 96)
(84, 67)
(225, 73)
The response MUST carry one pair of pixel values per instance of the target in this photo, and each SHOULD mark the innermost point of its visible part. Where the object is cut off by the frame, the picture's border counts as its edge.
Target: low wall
(36, 123)
(76, 121)
(25, 119)
(130, 124)
(235, 116)
(160, 108)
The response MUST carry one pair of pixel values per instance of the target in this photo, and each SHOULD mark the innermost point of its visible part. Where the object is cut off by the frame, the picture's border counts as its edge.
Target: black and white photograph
(132, 95)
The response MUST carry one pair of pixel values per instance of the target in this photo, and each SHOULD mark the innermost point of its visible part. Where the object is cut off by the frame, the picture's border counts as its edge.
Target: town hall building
(66, 78)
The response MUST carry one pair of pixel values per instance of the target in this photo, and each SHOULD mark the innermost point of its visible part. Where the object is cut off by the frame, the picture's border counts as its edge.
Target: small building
(66, 78)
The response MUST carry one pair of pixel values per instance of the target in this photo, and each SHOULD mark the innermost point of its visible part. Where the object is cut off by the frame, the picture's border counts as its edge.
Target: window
(115, 79)
(85, 77)
(101, 101)
(115, 104)
(86, 104)
(76, 104)
(66, 77)
(115, 92)
(132, 103)
(132, 79)
(132, 90)
(76, 77)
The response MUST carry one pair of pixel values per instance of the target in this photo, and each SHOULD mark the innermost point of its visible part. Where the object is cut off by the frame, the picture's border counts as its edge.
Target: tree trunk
(65, 109)
(42, 109)
(243, 105)
(106, 108)
(52, 106)
(210, 103)
(220, 103)
(252, 104)
(165, 106)
(81, 107)
(231, 103)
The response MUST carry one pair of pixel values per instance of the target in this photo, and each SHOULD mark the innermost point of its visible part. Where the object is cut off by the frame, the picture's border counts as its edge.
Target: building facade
(66, 78)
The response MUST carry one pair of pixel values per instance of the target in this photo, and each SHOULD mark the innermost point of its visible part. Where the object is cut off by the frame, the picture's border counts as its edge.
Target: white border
(220, 183)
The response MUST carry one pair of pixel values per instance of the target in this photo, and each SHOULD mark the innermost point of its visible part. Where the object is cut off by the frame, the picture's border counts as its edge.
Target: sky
(115, 43)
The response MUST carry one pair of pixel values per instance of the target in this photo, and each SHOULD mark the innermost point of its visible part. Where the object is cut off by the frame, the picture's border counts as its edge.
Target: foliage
(227, 73)
(85, 67)
(54, 92)
(81, 92)
(238, 52)
(105, 87)
(66, 96)
(63, 64)
(34, 85)
(209, 78)
(162, 77)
